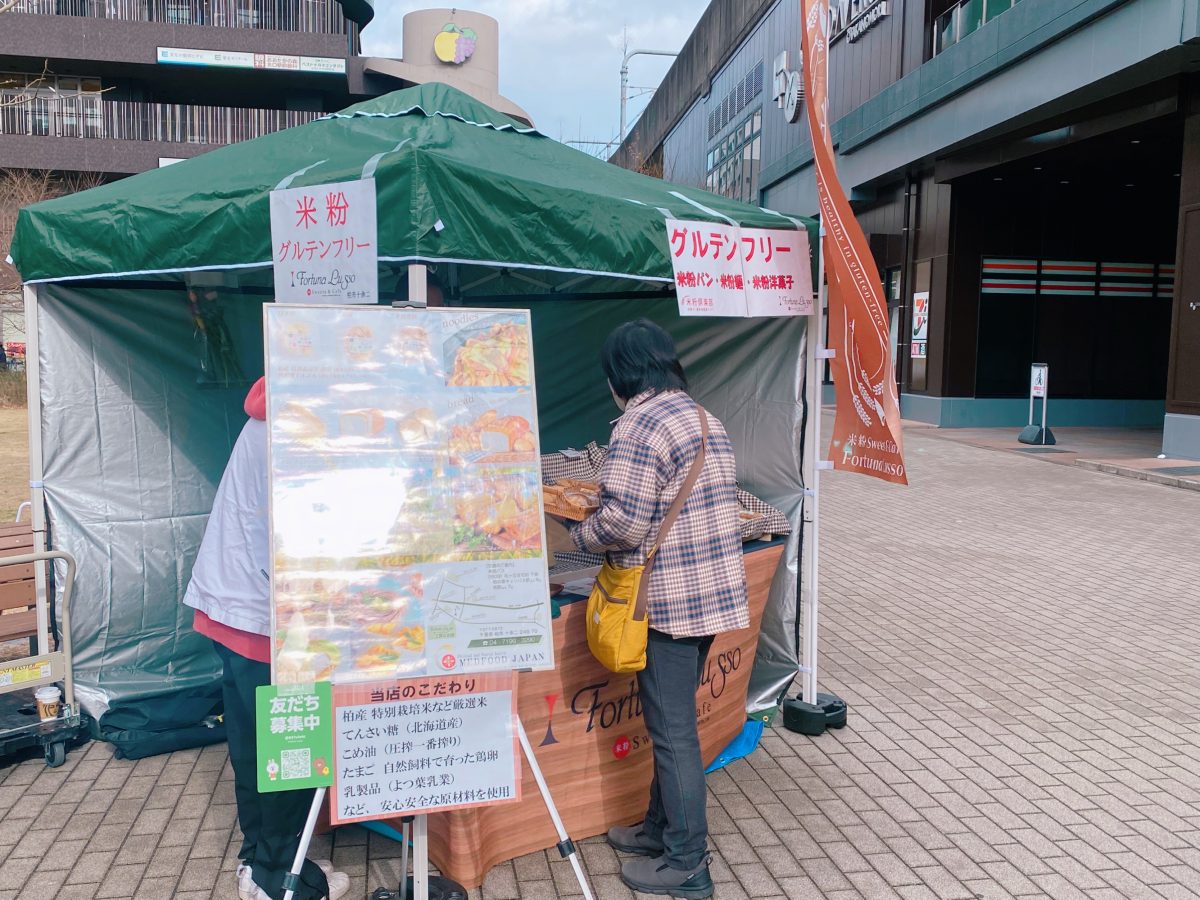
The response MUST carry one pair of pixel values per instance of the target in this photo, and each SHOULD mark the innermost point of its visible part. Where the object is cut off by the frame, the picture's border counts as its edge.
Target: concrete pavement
(1017, 643)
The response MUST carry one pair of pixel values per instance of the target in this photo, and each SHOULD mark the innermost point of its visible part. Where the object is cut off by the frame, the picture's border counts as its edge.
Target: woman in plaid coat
(697, 588)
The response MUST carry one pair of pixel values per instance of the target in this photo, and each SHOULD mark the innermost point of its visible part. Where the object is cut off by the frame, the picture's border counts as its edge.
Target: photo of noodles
(496, 357)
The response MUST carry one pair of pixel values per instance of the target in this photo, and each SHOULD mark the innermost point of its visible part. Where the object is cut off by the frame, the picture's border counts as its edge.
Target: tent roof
(456, 181)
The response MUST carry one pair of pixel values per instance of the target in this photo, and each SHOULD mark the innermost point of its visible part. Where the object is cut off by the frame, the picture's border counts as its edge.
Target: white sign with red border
(324, 243)
(1039, 380)
(727, 270)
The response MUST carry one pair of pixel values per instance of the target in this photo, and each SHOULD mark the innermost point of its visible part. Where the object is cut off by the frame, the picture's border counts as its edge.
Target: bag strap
(685, 491)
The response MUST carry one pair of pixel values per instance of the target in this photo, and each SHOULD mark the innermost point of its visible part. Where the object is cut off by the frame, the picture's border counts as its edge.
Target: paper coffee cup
(49, 702)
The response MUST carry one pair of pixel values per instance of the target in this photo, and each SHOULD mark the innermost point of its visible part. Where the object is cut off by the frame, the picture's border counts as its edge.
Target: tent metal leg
(421, 858)
(305, 839)
(566, 847)
(33, 383)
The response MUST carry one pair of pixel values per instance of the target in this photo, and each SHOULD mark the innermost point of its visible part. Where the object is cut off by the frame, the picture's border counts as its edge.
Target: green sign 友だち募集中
(295, 736)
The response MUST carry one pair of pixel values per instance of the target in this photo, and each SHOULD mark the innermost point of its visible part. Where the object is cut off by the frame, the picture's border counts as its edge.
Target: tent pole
(418, 285)
(810, 551)
(418, 296)
(37, 512)
(811, 556)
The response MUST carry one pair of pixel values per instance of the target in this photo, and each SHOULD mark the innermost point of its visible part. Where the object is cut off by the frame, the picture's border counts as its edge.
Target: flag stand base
(1034, 434)
(813, 719)
(439, 889)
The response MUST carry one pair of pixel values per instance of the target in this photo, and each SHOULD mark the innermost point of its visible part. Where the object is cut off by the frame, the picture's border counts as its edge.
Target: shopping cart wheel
(56, 754)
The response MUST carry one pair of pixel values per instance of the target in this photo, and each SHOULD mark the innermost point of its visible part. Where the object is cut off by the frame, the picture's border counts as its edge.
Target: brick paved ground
(1017, 642)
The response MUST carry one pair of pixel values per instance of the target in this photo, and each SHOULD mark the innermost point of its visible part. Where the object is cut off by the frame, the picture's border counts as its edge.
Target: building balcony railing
(320, 16)
(964, 18)
(87, 116)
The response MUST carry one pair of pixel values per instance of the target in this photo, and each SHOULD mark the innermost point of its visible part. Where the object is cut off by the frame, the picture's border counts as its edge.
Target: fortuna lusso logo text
(606, 711)
(854, 17)
(857, 452)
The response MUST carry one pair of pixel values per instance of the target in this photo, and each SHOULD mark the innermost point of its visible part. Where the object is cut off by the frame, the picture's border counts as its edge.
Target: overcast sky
(561, 59)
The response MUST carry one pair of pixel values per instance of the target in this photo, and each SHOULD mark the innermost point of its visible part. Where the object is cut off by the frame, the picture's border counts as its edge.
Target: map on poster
(405, 494)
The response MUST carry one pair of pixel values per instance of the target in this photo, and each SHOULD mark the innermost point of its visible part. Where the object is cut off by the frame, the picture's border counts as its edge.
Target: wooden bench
(18, 594)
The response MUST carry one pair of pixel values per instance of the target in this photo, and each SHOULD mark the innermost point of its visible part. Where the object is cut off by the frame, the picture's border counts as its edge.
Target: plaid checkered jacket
(698, 584)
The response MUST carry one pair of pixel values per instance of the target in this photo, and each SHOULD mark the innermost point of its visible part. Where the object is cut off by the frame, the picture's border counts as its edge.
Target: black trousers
(667, 686)
(271, 823)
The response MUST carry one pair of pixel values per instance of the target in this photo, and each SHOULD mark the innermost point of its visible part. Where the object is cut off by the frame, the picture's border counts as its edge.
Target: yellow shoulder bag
(618, 622)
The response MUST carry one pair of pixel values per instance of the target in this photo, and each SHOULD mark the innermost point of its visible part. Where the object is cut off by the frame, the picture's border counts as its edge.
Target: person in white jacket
(231, 593)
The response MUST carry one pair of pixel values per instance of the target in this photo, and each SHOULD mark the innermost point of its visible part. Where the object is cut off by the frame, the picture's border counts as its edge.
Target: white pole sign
(1039, 379)
(726, 270)
(324, 243)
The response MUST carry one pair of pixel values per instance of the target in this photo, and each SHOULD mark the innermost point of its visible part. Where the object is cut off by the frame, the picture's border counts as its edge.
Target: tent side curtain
(142, 392)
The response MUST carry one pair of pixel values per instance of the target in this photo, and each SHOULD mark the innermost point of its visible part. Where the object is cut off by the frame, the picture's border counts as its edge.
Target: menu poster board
(727, 270)
(406, 497)
(423, 745)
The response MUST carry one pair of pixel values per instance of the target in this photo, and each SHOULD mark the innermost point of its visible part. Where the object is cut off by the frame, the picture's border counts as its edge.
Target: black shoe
(633, 839)
(654, 876)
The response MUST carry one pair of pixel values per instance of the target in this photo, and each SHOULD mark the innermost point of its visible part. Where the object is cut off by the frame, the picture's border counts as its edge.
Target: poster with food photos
(405, 490)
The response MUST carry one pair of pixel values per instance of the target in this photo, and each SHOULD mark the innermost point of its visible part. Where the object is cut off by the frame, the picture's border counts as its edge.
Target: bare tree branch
(6, 5)
(21, 187)
(45, 78)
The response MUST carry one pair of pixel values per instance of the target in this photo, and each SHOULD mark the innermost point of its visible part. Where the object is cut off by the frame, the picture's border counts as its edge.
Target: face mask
(617, 400)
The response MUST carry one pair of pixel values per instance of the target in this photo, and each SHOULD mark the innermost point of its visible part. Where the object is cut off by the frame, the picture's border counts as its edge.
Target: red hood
(256, 400)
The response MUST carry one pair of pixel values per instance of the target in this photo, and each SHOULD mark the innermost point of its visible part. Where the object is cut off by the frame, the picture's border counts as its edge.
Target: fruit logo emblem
(454, 45)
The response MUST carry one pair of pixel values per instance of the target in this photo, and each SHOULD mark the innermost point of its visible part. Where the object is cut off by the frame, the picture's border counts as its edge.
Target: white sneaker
(339, 882)
(247, 889)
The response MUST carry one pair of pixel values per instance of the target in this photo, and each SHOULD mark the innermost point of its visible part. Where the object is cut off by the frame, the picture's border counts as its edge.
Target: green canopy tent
(143, 300)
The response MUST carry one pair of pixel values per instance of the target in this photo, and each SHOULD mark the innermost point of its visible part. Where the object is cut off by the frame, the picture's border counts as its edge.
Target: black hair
(640, 356)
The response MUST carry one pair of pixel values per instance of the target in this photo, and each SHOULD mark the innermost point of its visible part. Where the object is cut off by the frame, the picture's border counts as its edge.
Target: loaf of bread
(299, 422)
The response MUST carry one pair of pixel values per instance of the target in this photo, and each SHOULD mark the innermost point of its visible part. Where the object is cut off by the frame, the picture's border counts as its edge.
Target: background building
(1033, 166)
(93, 90)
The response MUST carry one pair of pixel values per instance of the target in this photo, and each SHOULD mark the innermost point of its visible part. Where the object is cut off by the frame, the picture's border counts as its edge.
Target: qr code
(296, 764)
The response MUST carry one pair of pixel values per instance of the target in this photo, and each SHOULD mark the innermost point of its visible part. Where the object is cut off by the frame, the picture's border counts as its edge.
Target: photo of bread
(411, 347)
(493, 438)
(418, 428)
(359, 343)
(297, 339)
(300, 423)
(361, 423)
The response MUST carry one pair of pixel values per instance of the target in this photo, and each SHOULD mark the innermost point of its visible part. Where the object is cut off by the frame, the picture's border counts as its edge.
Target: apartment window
(248, 14)
(963, 18)
(179, 12)
(733, 166)
(47, 104)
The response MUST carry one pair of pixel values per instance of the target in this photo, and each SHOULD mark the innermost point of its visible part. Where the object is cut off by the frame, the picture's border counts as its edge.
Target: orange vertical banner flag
(866, 429)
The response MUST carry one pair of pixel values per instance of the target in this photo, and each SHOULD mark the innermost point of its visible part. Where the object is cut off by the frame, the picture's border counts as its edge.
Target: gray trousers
(667, 687)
